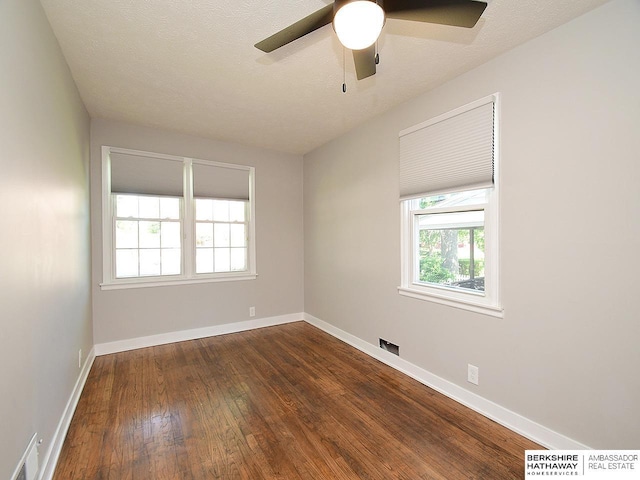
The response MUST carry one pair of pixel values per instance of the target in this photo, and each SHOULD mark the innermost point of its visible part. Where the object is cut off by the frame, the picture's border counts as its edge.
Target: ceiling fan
(358, 23)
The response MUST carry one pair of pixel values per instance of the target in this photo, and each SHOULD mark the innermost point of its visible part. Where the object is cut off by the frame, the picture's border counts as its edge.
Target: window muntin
(151, 235)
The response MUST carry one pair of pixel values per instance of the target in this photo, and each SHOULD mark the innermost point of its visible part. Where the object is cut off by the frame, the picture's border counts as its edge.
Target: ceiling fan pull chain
(377, 57)
(344, 71)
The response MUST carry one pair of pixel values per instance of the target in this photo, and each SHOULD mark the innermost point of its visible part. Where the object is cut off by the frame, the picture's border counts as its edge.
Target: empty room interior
(230, 255)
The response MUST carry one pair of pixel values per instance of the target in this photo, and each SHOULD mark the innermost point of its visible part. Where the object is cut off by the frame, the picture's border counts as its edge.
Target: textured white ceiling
(190, 65)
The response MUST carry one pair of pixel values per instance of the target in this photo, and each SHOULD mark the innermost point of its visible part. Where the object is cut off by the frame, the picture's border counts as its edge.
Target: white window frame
(487, 302)
(115, 219)
(187, 205)
(213, 222)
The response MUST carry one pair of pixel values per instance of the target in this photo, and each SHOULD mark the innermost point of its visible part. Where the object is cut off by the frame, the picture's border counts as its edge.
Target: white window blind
(216, 181)
(451, 152)
(146, 175)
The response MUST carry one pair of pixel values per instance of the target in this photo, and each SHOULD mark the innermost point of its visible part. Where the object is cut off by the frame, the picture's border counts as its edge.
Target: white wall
(278, 290)
(566, 353)
(44, 234)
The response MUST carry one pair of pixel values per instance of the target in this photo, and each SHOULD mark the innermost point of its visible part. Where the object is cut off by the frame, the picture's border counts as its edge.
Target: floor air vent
(389, 347)
(28, 467)
(22, 474)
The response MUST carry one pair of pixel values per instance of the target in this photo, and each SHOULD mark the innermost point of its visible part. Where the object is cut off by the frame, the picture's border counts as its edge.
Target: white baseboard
(181, 336)
(513, 421)
(50, 459)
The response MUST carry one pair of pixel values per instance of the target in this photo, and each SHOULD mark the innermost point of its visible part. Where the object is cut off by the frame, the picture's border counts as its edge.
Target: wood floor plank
(287, 402)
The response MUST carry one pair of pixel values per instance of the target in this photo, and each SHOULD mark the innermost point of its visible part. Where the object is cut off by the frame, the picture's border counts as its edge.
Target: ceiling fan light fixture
(358, 23)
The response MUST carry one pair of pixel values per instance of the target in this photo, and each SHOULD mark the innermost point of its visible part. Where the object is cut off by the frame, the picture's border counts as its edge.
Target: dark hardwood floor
(285, 402)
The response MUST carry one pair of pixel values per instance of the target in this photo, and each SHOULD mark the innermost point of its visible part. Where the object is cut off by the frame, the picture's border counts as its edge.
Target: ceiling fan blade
(365, 61)
(458, 13)
(308, 24)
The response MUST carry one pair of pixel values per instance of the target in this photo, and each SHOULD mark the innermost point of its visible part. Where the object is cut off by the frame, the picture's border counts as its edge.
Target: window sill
(137, 283)
(469, 305)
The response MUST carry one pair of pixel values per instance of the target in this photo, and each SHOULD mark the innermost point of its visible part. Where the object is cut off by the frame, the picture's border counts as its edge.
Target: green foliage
(464, 264)
(431, 269)
(154, 228)
(430, 241)
(431, 201)
(478, 237)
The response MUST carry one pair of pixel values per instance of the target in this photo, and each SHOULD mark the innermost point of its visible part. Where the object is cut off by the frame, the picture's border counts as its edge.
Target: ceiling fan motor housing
(338, 4)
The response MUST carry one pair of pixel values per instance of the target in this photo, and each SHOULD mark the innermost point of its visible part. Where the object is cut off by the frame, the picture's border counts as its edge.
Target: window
(148, 236)
(174, 220)
(221, 235)
(449, 204)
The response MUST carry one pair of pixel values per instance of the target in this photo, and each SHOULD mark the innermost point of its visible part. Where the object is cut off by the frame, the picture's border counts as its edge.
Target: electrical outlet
(252, 311)
(80, 358)
(473, 374)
